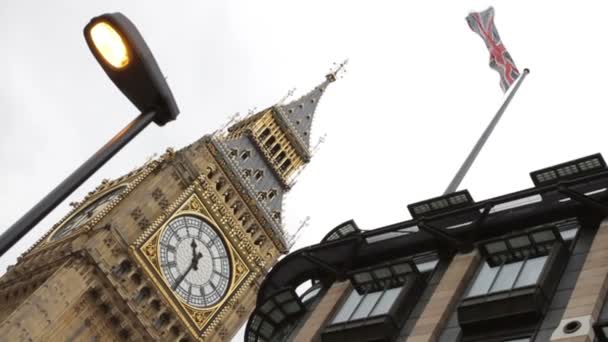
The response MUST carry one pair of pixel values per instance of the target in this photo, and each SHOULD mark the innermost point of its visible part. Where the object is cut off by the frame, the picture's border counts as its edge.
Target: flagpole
(484, 137)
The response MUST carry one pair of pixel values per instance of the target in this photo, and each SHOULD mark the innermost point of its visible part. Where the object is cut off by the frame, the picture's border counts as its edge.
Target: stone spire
(266, 149)
(299, 113)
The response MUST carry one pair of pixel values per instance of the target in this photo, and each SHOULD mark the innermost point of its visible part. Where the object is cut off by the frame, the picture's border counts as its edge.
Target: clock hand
(193, 245)
(193, 265)
(196, 259)
(182, 277)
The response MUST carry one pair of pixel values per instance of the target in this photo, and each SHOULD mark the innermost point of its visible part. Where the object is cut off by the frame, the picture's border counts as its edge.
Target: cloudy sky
(416, 96)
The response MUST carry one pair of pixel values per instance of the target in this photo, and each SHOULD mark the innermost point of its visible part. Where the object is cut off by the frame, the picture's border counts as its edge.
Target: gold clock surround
(199, 321)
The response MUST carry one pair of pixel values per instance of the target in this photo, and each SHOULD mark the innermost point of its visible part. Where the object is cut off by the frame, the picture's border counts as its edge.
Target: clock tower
(172, 251)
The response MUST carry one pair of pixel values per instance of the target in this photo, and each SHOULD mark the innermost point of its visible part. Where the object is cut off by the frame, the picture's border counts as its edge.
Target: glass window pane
(506, 276)
(520, 241)
(605, 331)
(386, 302)
(366, 305)
(277, 316)
(427, 266)
(483, 281)
(267, 307)
(363, 277)
(543, 236)
(524, 339)
(531, 271)
(569, 234)
(382, 273)
(347, 307)
(496, 247)
(311, 294)
(402, 268)
(283, 297)
(290, 307)
(266, 329)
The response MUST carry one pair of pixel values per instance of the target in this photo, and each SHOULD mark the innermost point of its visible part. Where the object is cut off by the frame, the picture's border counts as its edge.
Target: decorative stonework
(160, 198)
(136, 214)
(276, 231)
(194, 201)
(130, 180)
(110, 281)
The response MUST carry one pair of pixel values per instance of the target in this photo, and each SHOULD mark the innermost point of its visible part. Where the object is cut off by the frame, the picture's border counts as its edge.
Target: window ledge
(517, 307)
(491, 311)
(373, 328)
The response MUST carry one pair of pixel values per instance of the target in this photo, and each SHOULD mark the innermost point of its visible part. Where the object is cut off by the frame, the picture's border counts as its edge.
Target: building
(527, 266)
(174, 250)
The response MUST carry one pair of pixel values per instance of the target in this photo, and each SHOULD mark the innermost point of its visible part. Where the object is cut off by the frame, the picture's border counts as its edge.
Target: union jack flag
(500, 60)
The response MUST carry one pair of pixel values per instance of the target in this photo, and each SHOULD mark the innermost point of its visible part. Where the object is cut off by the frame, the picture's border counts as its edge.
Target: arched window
(219, 184)
(280, 157)
(270, 142)
(143, 294)
(162, 320)
(275, 149)
(123, 268)
(286, 164)
(264, 134)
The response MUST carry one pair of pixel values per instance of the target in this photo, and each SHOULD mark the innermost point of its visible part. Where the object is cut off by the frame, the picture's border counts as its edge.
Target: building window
(285, 165)
(520, 272)
(264, 134)
(379, 303)
(279, 315)
(370, 304)
(270, 142)
(507, 276)
(258, 174)
(275, 149)
(280, 157)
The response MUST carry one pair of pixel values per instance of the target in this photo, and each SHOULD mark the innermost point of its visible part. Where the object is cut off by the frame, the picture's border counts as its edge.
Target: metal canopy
(568, 170)
(586, 197)
(519, 246)
(342, 230)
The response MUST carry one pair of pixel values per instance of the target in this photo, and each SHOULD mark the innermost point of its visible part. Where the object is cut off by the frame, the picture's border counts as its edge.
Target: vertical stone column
(445, 298)
(588, 294)
(43, 309)
(237, 316)
(311, 330)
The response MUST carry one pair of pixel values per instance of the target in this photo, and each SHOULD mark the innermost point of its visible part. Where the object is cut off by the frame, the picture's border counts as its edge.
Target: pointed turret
(265, 149)
(298, 114)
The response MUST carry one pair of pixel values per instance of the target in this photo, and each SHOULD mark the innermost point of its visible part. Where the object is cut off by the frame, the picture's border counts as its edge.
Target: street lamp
(125, 57)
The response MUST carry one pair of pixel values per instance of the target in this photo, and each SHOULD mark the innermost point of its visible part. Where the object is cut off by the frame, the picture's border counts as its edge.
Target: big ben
(172, 251)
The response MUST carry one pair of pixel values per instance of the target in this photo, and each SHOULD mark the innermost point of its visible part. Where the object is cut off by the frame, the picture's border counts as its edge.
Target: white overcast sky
(417, 94)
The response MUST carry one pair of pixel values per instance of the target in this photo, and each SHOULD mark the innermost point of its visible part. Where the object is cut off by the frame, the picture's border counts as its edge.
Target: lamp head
(125, 57)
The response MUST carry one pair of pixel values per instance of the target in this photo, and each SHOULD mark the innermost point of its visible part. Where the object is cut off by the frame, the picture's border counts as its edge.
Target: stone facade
(96, 274)
(522, 267)
(445, 298)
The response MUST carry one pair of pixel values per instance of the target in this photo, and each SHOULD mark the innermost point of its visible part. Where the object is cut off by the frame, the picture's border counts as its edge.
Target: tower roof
(298, 114)
(265, 149)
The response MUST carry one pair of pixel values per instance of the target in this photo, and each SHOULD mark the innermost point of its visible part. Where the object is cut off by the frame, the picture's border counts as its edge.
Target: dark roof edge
(496, 225)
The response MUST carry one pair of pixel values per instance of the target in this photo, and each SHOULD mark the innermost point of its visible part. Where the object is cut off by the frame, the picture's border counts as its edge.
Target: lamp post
(125, 57)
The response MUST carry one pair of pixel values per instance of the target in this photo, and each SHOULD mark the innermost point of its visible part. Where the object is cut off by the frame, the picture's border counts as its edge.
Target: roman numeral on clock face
(194, 261)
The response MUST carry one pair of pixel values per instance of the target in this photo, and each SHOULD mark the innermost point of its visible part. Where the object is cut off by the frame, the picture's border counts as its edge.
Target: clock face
(194, 261)
(85, 214)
